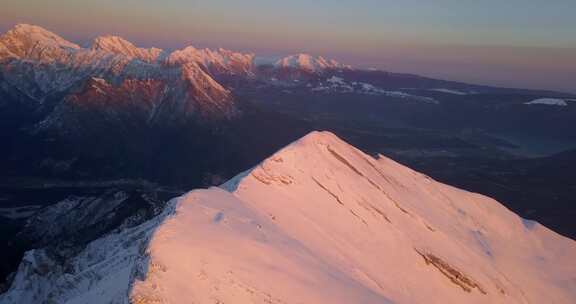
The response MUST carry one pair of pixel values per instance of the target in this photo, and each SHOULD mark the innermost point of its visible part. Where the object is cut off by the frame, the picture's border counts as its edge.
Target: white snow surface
(548, 101)
(309, 63)
(59, 65)
(32, 41)
(118, 45)
(450, 91)
(217, 61)
(317, 222)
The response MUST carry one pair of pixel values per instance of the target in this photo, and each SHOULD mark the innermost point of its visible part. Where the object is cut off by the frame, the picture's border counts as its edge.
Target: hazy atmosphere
(517, 43)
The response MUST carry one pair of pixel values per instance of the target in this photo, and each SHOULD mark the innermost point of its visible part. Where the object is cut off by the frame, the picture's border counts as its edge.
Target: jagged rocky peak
(119, 45)
(317, 222)
(116, 73)
(216, 61)
(26, 41)
(309, 63)
(213, 98)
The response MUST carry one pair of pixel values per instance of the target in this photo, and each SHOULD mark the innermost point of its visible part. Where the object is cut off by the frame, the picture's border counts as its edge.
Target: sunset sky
(522, 43)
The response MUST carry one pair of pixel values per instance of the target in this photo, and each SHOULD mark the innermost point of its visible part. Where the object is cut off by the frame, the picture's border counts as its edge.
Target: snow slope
(118, 45)
(317, 222)
(41, 64)
(548, 101)
(33, 42)
(309, 63)
(219, 61)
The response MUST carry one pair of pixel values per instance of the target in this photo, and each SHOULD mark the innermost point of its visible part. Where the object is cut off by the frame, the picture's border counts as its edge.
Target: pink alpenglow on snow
(309, 63)
(318, 222)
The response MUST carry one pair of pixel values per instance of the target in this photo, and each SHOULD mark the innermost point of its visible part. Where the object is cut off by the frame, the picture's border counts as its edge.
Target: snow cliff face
(318, 222)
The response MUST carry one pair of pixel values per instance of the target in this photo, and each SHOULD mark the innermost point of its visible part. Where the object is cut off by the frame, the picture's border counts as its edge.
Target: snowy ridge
(33, 42)
(101, 273)
(118, 45)
(216, 61)
(309, 63)
(317, 222)
(201, 86)
(42, 64)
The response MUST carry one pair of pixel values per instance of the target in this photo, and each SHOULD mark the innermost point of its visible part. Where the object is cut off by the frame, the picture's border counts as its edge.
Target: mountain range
(98, 137)
(122, 98)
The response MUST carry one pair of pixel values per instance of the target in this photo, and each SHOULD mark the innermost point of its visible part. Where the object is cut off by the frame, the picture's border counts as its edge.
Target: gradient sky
(522, 43)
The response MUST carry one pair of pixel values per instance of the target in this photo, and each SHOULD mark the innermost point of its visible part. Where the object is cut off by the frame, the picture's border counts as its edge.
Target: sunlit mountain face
(486, 42)
(138, 174)
(318, 213)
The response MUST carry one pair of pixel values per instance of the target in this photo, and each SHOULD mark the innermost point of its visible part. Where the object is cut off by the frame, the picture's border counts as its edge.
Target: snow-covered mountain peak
(317, 222)
(220, 61)
(37, 34)
(41, 63)
(385, 225)
(119, 45)
(309, 63)
(192, 54)
(27, 41)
